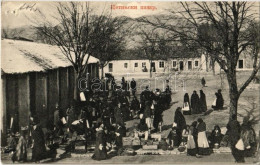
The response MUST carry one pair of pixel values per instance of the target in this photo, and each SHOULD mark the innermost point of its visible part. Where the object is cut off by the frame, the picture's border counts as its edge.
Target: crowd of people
(198, 104)
(100, 118)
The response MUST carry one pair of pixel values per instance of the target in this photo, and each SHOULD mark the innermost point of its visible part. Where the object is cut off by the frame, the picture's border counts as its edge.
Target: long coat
(203, 103)
(181, 123)
(38, 150)
(100, 149)
(195, 103)
(157, 114)
(220, 101)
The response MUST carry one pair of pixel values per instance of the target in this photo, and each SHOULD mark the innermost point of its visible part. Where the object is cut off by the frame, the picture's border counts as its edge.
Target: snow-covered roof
(23, 56)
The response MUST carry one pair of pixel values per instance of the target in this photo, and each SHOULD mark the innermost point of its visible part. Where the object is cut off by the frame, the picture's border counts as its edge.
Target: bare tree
(236, 30)
(76, 34)
(109, 39)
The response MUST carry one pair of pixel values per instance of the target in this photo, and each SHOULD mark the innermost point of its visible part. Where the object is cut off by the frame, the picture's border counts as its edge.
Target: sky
(20, 13)
(16, 14)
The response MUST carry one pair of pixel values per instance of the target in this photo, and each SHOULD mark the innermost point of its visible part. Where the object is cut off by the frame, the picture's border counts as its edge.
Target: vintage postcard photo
(125, 82)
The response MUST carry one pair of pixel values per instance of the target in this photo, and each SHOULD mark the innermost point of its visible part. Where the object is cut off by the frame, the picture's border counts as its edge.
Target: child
(173, 137)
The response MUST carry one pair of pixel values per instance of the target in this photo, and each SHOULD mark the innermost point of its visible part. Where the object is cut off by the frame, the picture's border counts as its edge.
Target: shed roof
(23, 56)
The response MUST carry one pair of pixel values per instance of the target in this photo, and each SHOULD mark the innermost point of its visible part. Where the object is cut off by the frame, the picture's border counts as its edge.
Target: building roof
(23, 56)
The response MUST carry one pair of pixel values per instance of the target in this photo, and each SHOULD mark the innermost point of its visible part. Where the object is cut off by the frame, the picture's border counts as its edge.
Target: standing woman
(38, 147)
(186, 105)
(100, 152)
(203, 144)
(195, 103)
(181, 124)
(191, 145)
(203, 103)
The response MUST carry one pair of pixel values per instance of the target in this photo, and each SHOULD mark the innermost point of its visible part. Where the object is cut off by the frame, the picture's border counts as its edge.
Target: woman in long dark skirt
(38, 148)
(203, 103)
(181, 123)
(100, 152)
(195, 103)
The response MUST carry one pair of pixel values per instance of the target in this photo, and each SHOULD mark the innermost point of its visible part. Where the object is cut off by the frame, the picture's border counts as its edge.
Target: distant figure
(123, 83)
(203, 103)
(133, 86)
(203, 82)
(186, 105)
(145, 69)
(219, 101)
(195, 108)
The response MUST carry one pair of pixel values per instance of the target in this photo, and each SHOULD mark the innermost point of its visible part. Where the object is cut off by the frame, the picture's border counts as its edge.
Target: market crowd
(99, 119)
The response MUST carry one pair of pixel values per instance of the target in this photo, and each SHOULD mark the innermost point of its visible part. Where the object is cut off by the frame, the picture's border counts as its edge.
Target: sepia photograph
(130, 82)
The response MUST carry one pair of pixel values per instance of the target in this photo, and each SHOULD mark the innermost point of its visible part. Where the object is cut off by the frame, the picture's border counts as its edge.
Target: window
(110, 67)
(196, 63)
(240, 64)
(143, 64)
(161, 64)
(136, 64)
(174, 64)
(189, 65)
(125, 65)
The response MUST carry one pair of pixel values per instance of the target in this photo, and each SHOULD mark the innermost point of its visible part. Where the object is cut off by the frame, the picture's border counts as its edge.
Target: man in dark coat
(134, 107)
(158, 110)
(195, 103)
(233, 132)
(179, 119)
(203, 103)
(133, 86)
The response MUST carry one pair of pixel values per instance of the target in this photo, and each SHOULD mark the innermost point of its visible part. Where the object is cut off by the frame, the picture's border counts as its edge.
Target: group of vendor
(101, 118)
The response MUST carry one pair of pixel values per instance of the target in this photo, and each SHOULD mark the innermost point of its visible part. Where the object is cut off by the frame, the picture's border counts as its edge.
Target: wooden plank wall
(23, 99)
(11, 99)
(53, 96)
(41, 98)
(64, 84)
(37, 94)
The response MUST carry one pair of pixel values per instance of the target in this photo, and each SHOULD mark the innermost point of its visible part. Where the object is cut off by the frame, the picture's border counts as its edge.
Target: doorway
(153, 67)
(181, 65)
(189, 65)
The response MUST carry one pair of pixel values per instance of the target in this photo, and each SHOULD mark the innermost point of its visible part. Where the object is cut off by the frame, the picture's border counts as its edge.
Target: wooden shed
(34, 78)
